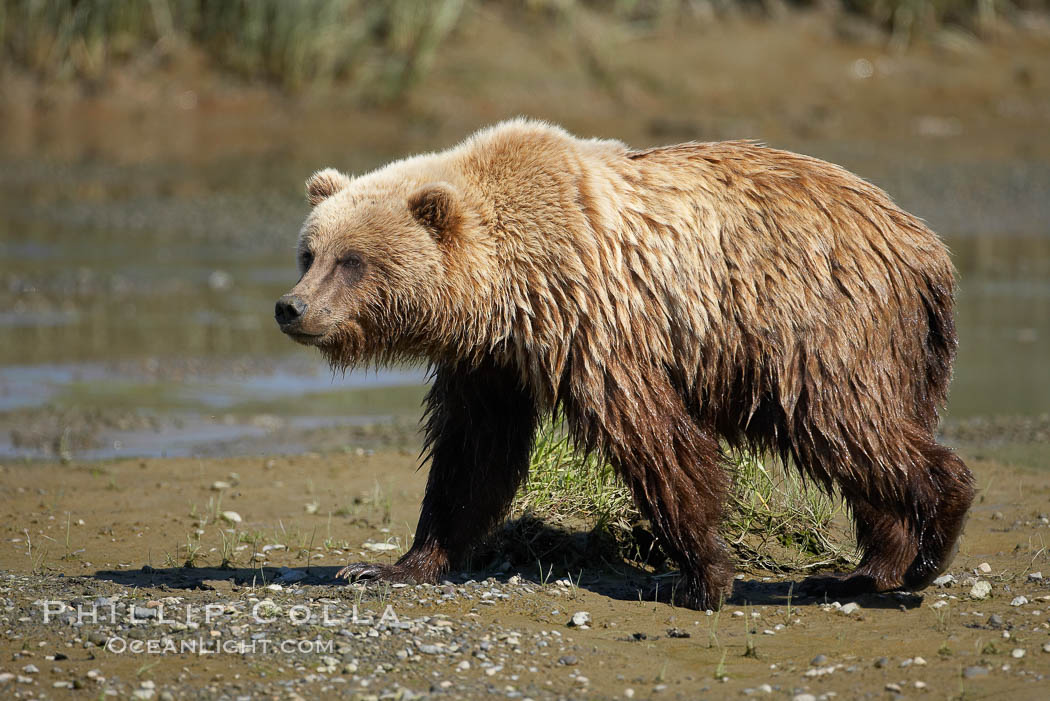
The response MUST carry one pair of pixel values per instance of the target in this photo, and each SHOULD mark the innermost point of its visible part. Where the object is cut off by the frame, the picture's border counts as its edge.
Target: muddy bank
(237, 536)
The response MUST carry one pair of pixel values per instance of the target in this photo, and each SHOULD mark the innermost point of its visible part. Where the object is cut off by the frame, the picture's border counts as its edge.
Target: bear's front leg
(479, 430)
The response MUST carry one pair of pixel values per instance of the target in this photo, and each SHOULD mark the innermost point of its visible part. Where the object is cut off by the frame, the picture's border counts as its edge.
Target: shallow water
(148, 290)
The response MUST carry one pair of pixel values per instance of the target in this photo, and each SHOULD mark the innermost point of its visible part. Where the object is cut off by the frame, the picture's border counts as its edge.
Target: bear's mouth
(307, 339)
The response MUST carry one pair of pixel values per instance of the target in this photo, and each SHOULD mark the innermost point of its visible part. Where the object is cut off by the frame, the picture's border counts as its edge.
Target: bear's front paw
(363, 571)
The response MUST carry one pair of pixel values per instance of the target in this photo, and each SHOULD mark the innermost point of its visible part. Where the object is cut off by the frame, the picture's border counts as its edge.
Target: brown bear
(669, 302)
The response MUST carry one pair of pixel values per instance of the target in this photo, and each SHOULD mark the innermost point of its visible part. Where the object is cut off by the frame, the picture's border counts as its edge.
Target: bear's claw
(365, 571)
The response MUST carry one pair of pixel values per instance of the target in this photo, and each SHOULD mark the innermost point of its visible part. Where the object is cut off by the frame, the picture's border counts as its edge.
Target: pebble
(818, 661)
(628, 693)
(881, 662)
(981, 589)
(1046, 647)
(1019, 601)
(995, 620)
(1018, 653)
(945, 580)
(895, 688)
(920, 684)
(849, 609)
(568, 660)
(379, 547)
(580, 619)
(803, 697)
(231, 517)
(30, 669)
(975, 671)
(984, 568)
(938, 604)
(1035, 576)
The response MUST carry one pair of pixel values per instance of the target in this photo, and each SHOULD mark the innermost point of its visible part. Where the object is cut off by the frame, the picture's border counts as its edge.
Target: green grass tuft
(774, 521)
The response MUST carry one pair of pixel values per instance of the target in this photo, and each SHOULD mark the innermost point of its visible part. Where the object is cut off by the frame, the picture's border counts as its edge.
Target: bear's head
(373, 257)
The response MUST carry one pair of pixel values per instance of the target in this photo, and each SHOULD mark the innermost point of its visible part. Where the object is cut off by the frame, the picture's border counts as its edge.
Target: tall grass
(377, 47)
(774, 520)
(383, 46)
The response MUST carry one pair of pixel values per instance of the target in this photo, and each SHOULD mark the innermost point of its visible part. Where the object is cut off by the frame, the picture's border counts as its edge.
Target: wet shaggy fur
(668, 301)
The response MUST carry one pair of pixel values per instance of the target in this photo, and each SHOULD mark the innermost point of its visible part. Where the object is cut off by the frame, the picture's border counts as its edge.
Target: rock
(881, 662)
(220, 280)
(984, 568)
(1046, 647)
(920, 685)
(893, 688)
(981, 589)
(945, 580)
(231, 517)
(1035, 576)
(974, 672)
(803, 697)
(849, 609)
(938, 604)
(219, 485)
(568, 660)
(1017, 653)
(142, 694)
(818, 661)
(580, 619)
(918, 661)
(995, 620)
(678, 633)
(379, 547)
(1019, 601)
(764, 688)
(31, 669)
(463, 666)
(143, 612)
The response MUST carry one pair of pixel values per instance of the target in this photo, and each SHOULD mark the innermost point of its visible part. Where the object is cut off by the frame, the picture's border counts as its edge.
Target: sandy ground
(114, 538)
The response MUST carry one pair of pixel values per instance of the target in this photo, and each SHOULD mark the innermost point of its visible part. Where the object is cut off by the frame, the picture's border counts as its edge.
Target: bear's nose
(289, 309)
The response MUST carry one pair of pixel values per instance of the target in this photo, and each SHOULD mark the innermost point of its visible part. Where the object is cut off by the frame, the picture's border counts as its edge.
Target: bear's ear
(436, 206)
(323, 184)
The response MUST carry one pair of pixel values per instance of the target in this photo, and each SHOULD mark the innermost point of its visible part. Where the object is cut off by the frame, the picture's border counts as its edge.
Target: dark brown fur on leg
(479, 433)
(911, 537)
(674, 471)
(887, 544)
(940, 529)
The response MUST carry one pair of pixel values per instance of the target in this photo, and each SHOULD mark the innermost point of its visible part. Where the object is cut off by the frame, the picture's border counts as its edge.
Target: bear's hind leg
(675, 473)
(907, 518)
(940, 528)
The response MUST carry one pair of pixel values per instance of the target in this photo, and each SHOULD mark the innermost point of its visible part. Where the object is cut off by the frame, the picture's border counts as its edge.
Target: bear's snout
(289, 312)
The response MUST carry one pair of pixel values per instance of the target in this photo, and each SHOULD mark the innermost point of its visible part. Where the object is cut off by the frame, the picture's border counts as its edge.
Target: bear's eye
(350, 261)
(306, 260)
